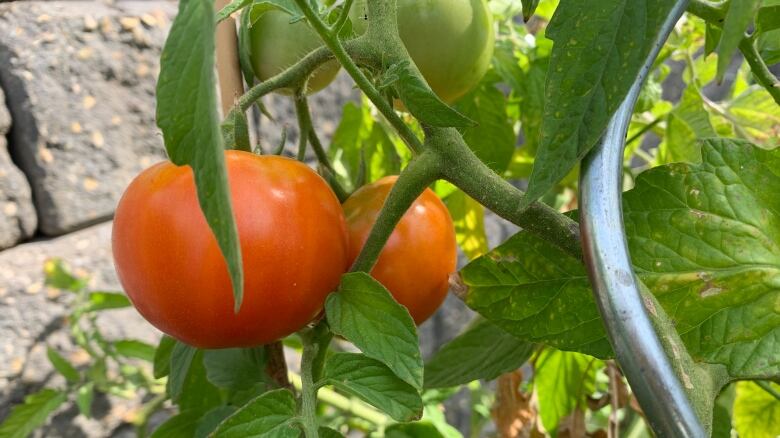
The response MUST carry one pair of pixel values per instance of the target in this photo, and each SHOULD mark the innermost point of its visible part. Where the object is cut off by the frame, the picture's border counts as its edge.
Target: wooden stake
(231, 84)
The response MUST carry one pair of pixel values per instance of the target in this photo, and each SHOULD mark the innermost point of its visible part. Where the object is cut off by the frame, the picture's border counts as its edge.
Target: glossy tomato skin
(417, 260)
(450, 41)
(276, 44)
(293, 242)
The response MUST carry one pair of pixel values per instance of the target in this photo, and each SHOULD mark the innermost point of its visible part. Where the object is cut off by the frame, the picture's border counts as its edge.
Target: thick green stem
(715, 13)
(759, 68)
(311, 351)
(353, 407)
(304, 122)
(419, 174)
(341, 53)
(461, 167)
(295, 76)
(307, 132)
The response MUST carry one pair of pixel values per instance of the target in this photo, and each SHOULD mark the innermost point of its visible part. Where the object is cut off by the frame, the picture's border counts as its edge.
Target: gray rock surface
(80, 79)
(17, 214)
(32, 318)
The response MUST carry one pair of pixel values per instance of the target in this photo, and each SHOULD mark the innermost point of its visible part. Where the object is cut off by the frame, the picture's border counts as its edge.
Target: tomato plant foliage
(700, 209)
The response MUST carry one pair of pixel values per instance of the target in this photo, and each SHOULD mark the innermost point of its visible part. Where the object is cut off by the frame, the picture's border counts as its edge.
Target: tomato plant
(419, 255)
(546, 133)
(172, 269)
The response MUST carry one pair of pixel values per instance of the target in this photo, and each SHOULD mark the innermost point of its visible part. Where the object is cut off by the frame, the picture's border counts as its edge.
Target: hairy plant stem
(353, 407)
(339, 50)
(715, 14)
(304, 122)
(306, 130)
(422, 171)
(315, 343)
(461, 167)
(759, 68)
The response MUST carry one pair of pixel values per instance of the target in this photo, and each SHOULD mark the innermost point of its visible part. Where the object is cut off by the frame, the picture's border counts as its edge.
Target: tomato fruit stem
(419, 174)
(315, 345)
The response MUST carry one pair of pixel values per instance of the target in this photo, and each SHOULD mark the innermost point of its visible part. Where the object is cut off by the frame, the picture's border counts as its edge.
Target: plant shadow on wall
(272, 258)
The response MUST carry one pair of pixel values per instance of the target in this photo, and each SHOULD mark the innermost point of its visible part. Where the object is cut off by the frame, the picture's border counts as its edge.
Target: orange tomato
(293, 242)
(416, 262)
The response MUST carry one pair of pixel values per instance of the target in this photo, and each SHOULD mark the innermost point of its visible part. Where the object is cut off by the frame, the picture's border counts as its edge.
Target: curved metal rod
(629, 329)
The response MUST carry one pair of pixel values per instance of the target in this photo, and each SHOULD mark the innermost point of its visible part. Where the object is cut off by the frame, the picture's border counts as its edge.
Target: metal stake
(605, 248)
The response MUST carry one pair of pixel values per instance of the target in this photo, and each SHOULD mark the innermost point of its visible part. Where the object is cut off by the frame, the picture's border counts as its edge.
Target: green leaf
(468, 217)
(711, 38)
(107, 300)
(688, 122)
(483, 351)
(326, 432)
(36, 409)
(382, 158)
(187, 116)
(58, 276)
(434, 415)
(756, 411)
(738, 18)
(235, 130)
(348, 141)
(419, 429)
(769, 46)
(135, 348)
(211, 419)
(62, 366)
(373, 382)
(269, 415)
(757, 115)
(582, 92)
(259, 7)
(98, 374)
(182, 425)
(562, 381)
(361, 144)
(538, 293)
(232, 7)
(364, 312)
(84, 396)
(721, 415)
(235, 368)
(529, 7)
(422, 102)
(197, 393)
(162, 357)
(493, 138)
(768, 16)
(181, 359)
(245, 52)
(703, 238)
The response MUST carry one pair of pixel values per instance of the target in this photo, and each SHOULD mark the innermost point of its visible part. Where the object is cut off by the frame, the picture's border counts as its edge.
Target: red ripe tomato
(293, 242)
(416, 262)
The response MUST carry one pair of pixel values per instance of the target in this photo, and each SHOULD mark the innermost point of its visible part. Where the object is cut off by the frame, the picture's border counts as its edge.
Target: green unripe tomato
(450, 41)
(276, 44)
